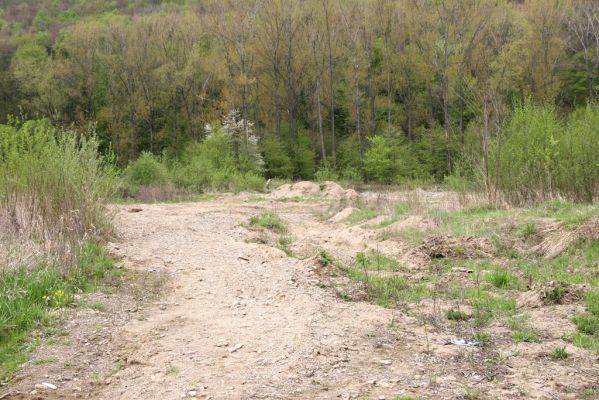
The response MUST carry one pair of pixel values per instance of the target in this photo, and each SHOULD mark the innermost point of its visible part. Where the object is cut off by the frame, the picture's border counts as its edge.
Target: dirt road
(243, 320)
(239, 319)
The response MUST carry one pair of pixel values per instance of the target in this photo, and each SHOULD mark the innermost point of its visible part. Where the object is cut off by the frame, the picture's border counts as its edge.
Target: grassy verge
(28, 296)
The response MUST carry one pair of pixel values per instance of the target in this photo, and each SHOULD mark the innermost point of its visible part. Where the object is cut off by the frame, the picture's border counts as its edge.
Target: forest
(299, 199)
(491, 94)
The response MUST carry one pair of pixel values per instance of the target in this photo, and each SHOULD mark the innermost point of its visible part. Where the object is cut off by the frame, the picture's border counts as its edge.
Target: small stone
(235, 348)
(385, 362)
(49, 386)
(192, 393)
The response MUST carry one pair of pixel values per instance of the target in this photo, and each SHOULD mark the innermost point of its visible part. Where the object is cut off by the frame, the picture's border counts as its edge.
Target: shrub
(351, 174)
(578, 173)
(541, 156)
(303, 156)
(53, 185)
(377, 160)
(276, 158)
(348, 154)
(147, 170)
(326, 173)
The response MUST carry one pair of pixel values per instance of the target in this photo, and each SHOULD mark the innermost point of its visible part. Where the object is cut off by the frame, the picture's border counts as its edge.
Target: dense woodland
(496, 93)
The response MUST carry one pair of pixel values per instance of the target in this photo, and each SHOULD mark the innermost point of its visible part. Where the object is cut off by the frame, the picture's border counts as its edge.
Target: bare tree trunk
(357, 110)
(485, 144)
(332, 85)
(323, 153)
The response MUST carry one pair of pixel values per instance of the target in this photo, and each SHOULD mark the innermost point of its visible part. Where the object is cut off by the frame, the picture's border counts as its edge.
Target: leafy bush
(326, 173)
(541, 156)
(578, 174)
(147, 170)
(212, 165)
(53, 184)
(378, 165)
(277, 160)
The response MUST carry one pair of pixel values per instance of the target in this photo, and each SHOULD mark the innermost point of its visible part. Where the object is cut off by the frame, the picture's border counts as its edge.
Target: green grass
(503, 279)
(268, 220)
(555, 295)
(283, 243)
(528, 230)
(375, 261)
(570, 215)
(411, 235)
(325, 258)
(387, 290)
(457, 315)
(580, 264)
(43, 361)
(488, 307)
(363, 214)
(586, 342)
(171, 370)
(482, 337)
(558, 353)
(522, 331)
(26, 296)
(588, 324)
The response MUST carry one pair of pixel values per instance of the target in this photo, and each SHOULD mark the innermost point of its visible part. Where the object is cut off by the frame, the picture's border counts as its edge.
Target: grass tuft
(457, 315)
(268, 220)
(559, 353)
(503, 279)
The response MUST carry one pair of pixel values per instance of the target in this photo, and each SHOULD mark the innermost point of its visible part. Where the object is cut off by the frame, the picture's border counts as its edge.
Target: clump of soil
(461, 247)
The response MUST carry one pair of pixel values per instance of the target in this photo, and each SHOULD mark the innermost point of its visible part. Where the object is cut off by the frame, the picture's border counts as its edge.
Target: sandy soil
(238, 319)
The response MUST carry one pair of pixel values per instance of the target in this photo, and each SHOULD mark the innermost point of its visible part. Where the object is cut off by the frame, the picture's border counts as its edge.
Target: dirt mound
(415, 258)
(306, 188)
(463, 247)
(556, 239)
(552, 293)
(414, 221)
(343, 215)
(332, 189)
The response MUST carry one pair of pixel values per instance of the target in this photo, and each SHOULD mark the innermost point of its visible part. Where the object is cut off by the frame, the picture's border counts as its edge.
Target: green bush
(348, 154)
(326, 172)
(541, 156)
(276, 158)
(578, 174)
(378, 165)
(147, 170)
(304, 156)
(56, 182)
